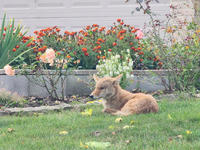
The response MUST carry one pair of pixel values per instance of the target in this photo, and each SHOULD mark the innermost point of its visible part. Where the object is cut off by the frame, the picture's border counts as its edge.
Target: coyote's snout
(120, 102)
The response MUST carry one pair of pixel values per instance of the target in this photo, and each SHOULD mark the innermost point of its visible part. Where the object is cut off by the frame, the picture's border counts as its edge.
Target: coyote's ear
(118, 78)
(96, 79)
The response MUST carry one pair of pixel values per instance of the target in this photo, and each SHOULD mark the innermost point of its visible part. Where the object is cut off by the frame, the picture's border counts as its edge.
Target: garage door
(73, 15)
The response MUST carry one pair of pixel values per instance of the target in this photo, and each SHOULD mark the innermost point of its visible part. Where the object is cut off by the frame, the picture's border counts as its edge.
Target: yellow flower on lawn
(189, 132)
(187, 47)
(87, 112)
(118, 120)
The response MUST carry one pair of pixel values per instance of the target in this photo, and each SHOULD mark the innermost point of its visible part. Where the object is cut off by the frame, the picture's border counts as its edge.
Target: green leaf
(94, 144)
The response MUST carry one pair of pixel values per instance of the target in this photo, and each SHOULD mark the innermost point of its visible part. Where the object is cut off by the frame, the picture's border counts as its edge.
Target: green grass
(152, 131)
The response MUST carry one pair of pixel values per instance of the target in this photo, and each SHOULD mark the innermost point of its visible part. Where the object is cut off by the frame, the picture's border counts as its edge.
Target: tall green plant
(9, 38)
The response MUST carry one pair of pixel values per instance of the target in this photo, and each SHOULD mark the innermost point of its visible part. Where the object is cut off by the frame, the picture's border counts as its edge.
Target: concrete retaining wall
(143, 80)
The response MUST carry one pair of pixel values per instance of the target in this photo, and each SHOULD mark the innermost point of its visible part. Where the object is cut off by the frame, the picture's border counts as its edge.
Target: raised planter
(143, 79)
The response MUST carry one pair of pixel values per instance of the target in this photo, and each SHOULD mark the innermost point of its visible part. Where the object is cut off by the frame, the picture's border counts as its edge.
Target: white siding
(73, 15)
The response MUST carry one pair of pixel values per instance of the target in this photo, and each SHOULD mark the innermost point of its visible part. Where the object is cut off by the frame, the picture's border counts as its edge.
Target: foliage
(10, 100)
(49, 78)
(114, 65)
(9, 39)
(88, 45)
(179, 53)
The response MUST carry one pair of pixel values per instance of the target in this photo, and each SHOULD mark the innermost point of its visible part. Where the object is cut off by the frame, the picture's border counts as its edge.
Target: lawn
(175, 126)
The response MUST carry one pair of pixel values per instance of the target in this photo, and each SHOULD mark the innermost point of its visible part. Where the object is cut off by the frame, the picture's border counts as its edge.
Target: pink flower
(140, 34)
(9, 71)
(50, 54)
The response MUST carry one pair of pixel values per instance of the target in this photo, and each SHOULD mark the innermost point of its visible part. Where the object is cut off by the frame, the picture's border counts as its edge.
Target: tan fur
(121, 102)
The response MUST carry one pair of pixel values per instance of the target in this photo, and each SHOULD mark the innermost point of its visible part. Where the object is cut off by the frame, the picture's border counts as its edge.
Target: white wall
(73, 15)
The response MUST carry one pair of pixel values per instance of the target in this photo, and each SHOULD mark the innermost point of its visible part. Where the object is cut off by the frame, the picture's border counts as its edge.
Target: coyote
(117, 101)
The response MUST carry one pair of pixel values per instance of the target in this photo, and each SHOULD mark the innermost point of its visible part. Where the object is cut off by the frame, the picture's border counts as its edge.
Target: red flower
(14, 49)
(110, 50)
(74, 52)
(131, 43)
(59, 53)
(99, 47)
(139, 48)
(160, 64)
(40, 49)
(98, 57)
(35, 32)
(84, 49)
(38, 58)
(141, 59)
(141, 53)
(86, 54)
(17, 46)
(44, 47)
(114, 44)
(121, 23)
(95, 25)
(118, 20)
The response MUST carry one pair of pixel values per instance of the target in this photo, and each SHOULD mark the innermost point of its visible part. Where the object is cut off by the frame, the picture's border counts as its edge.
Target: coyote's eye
(101, 88)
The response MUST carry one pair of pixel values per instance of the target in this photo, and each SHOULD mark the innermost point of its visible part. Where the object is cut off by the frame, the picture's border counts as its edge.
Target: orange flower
(68, 56)
(141, 59)
(14, 49)
(17, 46)
(121, 38)
(160, 64)
(58, 53)
(139, 48)
(118, 20)
(54, 27)
(95, 25)
(37, 58)
(103, 57)
(99, 47)
(84, 49)
(44, 47)
(114, 44)
(58, 30)
(87, 28)
(110, 50)
(98, 43)
(98, 57)
(74, 52)
(131, 43)
(169, 30)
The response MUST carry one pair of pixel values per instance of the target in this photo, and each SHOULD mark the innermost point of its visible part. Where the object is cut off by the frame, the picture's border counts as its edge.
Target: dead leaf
(97, 133)
(170, 139)
(180, 136)
(3, 134)
(127, 127)
(113, 133)
(63, 132)
(118, 120)
(128, 141)
(73, 96)
(10, 129)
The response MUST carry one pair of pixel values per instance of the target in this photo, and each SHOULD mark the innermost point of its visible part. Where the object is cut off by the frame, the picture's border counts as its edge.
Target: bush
(89, 45)
(10, 100)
